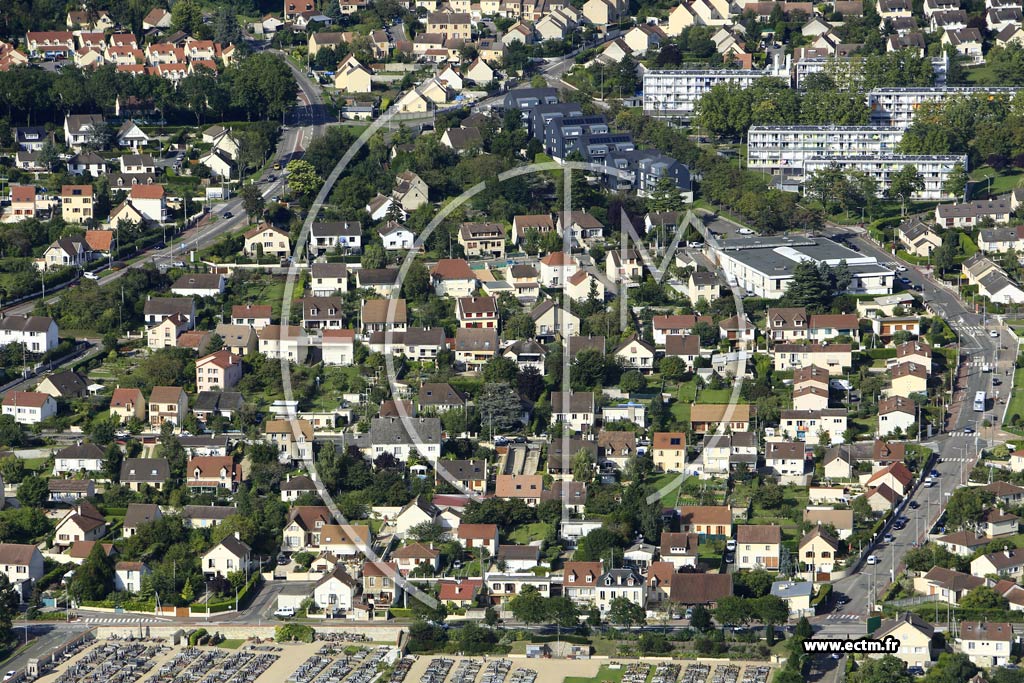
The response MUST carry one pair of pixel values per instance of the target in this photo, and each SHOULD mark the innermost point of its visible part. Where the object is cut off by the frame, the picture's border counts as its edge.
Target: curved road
(308, 119)
(957, 449)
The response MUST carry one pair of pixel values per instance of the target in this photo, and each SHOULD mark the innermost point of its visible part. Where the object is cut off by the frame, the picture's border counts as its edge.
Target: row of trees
(841, 189)
(729, 110)
(987, 128)
(259, 86)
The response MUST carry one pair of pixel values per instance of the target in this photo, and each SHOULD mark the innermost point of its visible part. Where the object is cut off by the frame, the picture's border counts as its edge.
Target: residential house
(82, 523)
(636, 354)
(896, 414)
(552, 320)
(986, 644)
(915, 639)
(758, 546)
(579, 581)
(288, 342)
(818, 551)
(679, 549)
(707, 417)
(620, 583)
(295, 486)
(574, 409)
(212, 473)
(167, 404)
(29, 407)
(267, 240)
(525, 487)
(82, 457)
(139, 472)
(227, 557)
(476, 536)
(466, 475)
(64, 384)
(707, 521)
(138, 514)
(482, 239)
(556, 268)
(338, 347)
(409, 557)
(254, 316)
(22, 564)
(292, 438)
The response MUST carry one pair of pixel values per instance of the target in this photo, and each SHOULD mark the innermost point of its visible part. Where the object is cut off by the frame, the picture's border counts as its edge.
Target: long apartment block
(934, 169)
(783, 150)
(896, 106)
(674, 93)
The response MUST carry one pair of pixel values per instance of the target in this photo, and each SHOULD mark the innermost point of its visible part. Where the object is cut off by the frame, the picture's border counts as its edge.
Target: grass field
(537, 531)
(1001, 182)
(1016, 406)
(604, 675)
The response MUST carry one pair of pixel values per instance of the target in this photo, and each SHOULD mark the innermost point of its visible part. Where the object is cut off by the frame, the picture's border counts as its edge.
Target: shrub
(294, 633)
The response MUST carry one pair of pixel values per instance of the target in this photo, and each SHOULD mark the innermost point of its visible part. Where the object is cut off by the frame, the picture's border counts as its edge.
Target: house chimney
(238, 536)
(1006, 551)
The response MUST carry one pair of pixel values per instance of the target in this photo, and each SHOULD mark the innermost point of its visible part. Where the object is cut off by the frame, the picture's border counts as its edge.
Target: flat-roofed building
(934, 169)
(783, 150)
(896, 106)
(674, 93)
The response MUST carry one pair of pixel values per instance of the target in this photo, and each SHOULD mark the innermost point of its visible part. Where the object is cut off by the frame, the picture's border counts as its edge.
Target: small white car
(745, 231)
(285, 612)
(90, 276)
(730, 544)
(994, 334)
(873, 559)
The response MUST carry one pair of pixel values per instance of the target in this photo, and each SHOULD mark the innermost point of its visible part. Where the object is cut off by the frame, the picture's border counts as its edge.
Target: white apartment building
(672, 93)
(934, 169)
(846, 70)
(896, 106)
(782, 150)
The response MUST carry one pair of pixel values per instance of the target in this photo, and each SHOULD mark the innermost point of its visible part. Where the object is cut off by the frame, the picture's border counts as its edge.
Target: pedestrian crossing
(958, 432)
(122, 620)
(971, 329)
(843, 617)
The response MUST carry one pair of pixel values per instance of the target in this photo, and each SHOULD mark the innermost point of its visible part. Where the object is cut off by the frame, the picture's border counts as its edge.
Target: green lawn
(715, 396)
(35, 464)
(231, 643)
(1002, 183)
(1016, 406)
(604, 675)
(670, 495)
(537, 531)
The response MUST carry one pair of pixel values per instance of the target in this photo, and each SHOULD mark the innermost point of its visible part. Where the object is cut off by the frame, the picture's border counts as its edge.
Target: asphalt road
(957, 450)
(308, 119)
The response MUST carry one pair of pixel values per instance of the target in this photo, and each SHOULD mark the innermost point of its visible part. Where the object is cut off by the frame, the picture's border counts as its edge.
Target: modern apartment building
(934, 169)
(674, 93)
(783, 150)
(896, 106)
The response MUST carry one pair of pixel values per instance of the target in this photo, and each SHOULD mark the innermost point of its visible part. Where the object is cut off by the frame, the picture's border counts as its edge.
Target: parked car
(888, 538)
(873, 559)
(285, 612)
(90, 276)
(745, 231)
(730, 545)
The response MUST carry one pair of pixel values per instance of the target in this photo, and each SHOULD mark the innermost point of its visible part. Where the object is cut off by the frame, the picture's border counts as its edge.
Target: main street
(958, 446)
